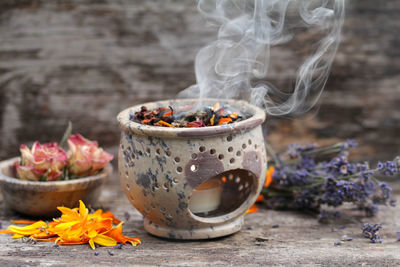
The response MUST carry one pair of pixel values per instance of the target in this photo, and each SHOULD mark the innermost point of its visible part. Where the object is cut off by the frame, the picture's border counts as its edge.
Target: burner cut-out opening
(223, 195)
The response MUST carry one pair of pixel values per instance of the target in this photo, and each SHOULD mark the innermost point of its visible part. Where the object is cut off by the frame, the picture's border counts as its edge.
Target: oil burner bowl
(41, 199)
(160, 169)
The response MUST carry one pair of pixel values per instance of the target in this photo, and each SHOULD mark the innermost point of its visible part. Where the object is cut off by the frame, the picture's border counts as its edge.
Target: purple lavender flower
(385, 190)
(371, 231)
(119, 246)
(306, 200)
(285, 176)
(351, 143)
(388, 168)
(346, 238)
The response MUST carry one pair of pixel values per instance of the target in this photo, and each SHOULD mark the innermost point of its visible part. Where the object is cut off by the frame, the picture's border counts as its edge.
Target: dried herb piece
(181, 118)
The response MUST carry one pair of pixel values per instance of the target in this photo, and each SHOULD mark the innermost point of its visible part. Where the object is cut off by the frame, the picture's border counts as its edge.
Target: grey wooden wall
(86, 60)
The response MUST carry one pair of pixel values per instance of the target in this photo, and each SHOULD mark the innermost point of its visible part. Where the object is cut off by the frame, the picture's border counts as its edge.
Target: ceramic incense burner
(193, 183)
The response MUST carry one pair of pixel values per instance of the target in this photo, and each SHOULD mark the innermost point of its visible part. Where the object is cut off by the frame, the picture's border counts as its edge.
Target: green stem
(325, 150)
(66, 135)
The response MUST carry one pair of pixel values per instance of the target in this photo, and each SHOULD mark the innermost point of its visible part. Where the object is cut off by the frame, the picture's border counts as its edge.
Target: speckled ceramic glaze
(41, 199)
(160, 167)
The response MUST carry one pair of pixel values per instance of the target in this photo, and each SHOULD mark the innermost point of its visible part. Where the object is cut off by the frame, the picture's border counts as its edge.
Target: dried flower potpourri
(76, 226)
(49, 162)
(307, 178)
(170, 117)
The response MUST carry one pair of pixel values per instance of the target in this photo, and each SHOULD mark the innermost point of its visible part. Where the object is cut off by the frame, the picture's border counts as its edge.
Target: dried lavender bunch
(308, 177)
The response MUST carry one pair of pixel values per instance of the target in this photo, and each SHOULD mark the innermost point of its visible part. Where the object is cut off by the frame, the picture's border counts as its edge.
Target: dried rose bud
(42, 162)
(85, 157)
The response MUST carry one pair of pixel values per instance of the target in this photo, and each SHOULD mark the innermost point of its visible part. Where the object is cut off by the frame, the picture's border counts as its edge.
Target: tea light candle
(206, 197)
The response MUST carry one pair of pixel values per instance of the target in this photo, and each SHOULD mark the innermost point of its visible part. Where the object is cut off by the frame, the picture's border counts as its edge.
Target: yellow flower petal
(83, 211)
(105, 241)
(92, 234)
(15, 236)
(91, 243)
(136, 241)
(63, 226)
(67, 211)
(29, 229)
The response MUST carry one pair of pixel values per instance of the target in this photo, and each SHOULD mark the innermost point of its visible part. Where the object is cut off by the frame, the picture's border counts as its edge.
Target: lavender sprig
(311, 176)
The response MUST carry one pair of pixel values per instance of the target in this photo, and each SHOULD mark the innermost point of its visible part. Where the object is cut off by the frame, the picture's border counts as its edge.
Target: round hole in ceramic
(194, 168)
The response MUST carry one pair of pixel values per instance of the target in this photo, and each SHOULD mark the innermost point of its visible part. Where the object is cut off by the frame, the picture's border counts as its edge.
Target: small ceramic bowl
(41, 199)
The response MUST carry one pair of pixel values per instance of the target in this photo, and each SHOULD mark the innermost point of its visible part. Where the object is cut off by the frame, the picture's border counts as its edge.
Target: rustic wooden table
(299, 240)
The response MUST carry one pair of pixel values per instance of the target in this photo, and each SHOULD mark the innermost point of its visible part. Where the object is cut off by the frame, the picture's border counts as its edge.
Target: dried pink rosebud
(85, 157)
(43, 160)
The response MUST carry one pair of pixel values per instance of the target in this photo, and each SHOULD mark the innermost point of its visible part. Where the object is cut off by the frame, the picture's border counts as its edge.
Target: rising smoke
(236, 64)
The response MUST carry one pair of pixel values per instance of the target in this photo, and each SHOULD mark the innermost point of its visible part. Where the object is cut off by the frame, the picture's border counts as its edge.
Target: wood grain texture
(85, 61)
(299, 240)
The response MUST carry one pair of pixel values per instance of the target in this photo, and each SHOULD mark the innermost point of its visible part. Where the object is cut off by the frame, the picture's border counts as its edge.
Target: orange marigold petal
(75, 226)
(43, 235)
(163, 123)
(109, 214)
(253, 209)
(23, 221)
(268, 178)
(116, 234)
(260, 198)
(224, 120)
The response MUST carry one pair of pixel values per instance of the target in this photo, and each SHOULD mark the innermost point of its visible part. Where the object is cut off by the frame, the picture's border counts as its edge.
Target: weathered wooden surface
(299, 240)
(86, 60)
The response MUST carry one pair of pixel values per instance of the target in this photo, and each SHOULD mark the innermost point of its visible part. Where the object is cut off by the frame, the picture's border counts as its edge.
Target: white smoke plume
(236, 64)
